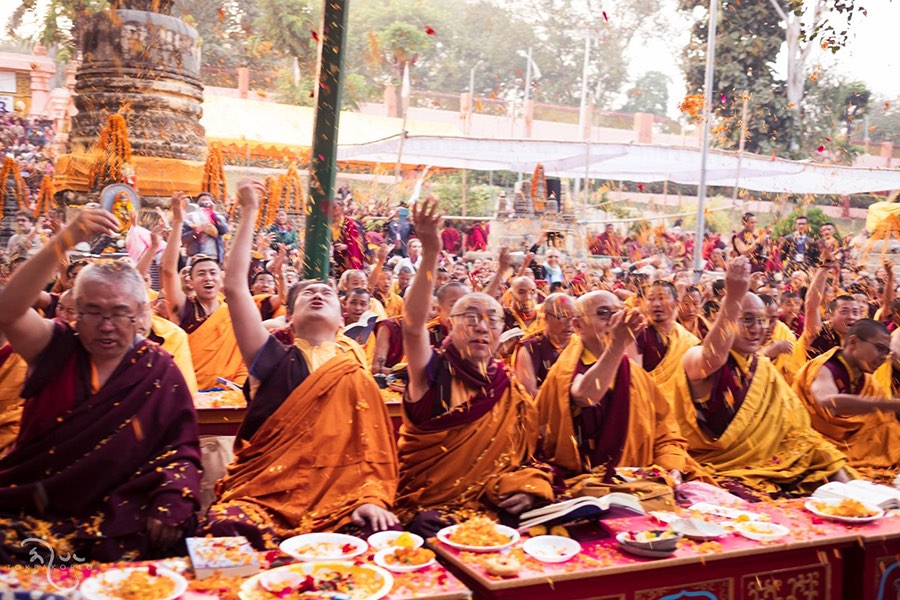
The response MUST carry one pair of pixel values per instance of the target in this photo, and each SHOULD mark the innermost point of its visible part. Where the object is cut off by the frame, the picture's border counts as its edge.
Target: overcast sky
(870, 55)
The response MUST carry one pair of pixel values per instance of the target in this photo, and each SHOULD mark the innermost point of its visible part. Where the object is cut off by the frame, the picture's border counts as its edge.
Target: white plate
(765, 532)
(810, 506)
(443, 536)
(637, 551)
(292, 546)
(697, 529)
(385, 539)
(381, 562)
(724, 511)
(94, 588)
(551, 548)
(253, 588)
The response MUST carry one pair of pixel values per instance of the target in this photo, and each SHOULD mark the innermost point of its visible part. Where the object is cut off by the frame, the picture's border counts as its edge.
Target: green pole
(323, 158)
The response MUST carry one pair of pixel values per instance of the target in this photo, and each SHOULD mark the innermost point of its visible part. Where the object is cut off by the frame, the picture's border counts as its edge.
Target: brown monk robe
(849, 407)
(469, 429)
(742, 423)
(316, 450)
(599, 410)
(537, 353)
(660, 346)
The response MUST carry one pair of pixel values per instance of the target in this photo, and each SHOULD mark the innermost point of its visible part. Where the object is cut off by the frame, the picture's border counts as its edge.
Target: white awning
(626, 162)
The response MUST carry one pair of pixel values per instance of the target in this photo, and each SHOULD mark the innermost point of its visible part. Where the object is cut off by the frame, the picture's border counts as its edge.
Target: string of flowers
(11, 169)
(45, 196)
(113, 153)
(214, 174)
(292, 191)
(271, 203)
(538, 189)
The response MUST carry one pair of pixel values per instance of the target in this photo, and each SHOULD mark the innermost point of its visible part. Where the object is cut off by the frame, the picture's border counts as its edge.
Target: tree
(833, 114)
(650, 94)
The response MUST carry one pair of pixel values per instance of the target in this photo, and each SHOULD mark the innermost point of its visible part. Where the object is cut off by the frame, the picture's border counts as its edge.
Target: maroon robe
(652, 347)
(95, 466)
(729, 388)
(543, 355)
(825, 340)
(395, 340)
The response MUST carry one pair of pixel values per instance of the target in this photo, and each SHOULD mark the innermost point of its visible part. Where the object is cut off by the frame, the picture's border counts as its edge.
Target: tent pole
(707, 116)
(323, 157)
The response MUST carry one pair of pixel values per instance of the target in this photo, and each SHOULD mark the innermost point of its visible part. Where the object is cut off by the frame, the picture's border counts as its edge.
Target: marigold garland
(538, 189)
(113, 152)
(45, 196)
(273, 194)
(11, 168)
(214, 174)
(292, 192)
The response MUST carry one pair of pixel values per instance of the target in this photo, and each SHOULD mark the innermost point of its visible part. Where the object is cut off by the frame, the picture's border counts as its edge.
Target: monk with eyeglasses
(743, 424)
(469, 428)
(849, 407)
(537, 353)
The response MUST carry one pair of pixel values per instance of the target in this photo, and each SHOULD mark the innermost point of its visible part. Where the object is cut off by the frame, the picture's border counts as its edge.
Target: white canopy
(626, 162)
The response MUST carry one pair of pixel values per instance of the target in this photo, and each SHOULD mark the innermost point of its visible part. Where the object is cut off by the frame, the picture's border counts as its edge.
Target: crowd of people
(525, 381)
(29, 141)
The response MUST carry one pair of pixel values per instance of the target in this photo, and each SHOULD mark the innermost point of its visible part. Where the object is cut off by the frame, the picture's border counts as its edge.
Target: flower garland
(11, 169)
(292, 192)
(273, 195)
(113, 154)
(45, 196)
(538, 189)
(214, 174)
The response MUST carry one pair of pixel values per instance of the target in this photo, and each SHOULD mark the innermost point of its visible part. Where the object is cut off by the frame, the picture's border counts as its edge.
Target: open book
(882, 496)
(362, 329)
(610, 506)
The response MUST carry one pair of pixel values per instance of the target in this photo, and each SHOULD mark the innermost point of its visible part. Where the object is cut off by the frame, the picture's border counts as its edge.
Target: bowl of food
(657, 540)
(394, 539)
(146, 583)
(551, 548)
(845, 510)
(323, 546)
(761, 531)
(404, 560)
(339, 579)
(478, 535)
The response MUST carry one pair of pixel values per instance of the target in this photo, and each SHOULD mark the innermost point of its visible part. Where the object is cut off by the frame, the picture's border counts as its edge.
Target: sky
(869, 56)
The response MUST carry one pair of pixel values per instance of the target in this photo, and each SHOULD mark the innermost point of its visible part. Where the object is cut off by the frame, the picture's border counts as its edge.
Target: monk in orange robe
(446, 296)
(661, 345)
(12, 378)
(690, 313)
(537, 353)
(523, 308)
(469, 428)
(742, 423)
(849, 407)
(316, 450)
(599, 410)
(779, 342)
(205, 317)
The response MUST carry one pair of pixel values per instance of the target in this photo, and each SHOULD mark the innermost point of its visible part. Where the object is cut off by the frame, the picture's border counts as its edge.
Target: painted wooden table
(813, 561)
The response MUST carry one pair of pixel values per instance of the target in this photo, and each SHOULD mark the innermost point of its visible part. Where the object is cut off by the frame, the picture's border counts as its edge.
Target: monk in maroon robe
(348, 241)
(107, 462)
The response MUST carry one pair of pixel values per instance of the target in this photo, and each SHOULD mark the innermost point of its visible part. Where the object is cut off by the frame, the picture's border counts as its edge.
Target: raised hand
(178, 202)
(737, 278)
(249, 192)
(384, 251)
(427, 218)
(625, 326)
(90, 223)
(504, 260)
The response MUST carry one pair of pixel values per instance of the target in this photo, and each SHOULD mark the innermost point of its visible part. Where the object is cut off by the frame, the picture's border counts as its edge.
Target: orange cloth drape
(215, 352)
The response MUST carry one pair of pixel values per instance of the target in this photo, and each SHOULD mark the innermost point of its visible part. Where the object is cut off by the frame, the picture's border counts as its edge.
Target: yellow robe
(215, 352)
(679, 341)
(769, 444)
(393, 305)
(871, 441)
(653, 436)
(175, 342)
(12, 378)
(787, 364)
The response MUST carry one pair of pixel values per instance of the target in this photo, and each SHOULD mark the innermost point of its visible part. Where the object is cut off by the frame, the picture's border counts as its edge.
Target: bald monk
(849, 407)
(598, 409)
(469, 428)
(205, 317)
(743, 424)
(522, 311)
(316, 450)
(689, 313)
(779, 341)
(107, 461)
(12, 377)
(819, 337)
(660, 347)
(353, 279)
(446, 297)
(537, 353)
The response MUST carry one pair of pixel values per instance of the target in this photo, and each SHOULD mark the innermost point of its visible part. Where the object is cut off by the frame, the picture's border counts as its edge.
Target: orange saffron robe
(215, 352)
(871, 441)
(653, 437)
(769, 442)
(328, 449)
(12, 378)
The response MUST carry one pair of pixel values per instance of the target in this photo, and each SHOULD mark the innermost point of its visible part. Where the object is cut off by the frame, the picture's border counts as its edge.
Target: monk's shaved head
(559, 304)
(585, 303)
(752, 302)
(524, 293)
(526, 281)
(475, 326)
(867, 328)
(867, 345)
(476, 300)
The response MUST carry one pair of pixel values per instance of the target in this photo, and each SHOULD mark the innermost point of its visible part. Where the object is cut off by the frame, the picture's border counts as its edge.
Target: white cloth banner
(627, 162)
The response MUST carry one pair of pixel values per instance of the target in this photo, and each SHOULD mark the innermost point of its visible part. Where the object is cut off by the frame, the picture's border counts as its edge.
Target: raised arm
(146, 259)
(504, 264)
(245, 318)
(525, 264)
(812, 315)
(380, 259)
(26, 331)
(700, 362)
(171, 282)
(589, 389)
(426, 218)
(888, 298)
